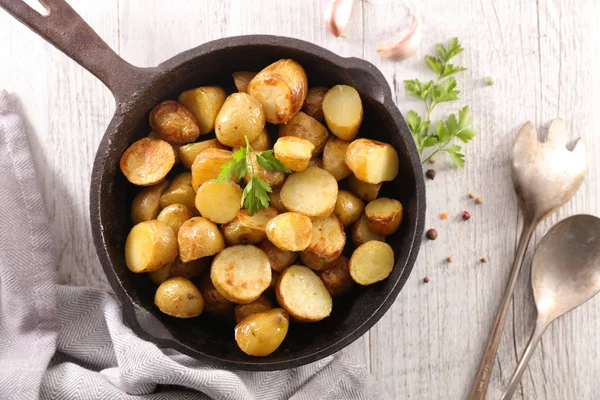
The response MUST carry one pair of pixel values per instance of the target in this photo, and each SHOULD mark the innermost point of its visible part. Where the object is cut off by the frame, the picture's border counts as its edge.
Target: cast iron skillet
(137, 90)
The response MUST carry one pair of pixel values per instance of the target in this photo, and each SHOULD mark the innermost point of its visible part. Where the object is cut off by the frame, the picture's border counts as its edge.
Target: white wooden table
(545, 61)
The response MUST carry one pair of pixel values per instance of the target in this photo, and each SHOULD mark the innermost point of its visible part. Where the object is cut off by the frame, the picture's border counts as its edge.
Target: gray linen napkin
(64, 342)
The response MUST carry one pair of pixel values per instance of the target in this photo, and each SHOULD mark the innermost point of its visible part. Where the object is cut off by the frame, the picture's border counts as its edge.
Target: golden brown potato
(188, 152)
(175, 215)
(219, 202)
(275, 200)
(273, 178)
(261, 143)
(146, 204)
(179, 297)
(262, 333)
(208, 165)
(343, 111)
(205, 103)
(371, 262)
(337, 278)
(248, 229)
(361, 232)
(372, 161)
(180, 191)
(348, 207)
(314, 102)
(316, 162)
(366, 191)
(279, 259)
(306, 127)
(281, 89)
(241, 115)
(189, 270)
(290, 231)
(199, 237)
(312, 192)
(174, 123)
(293, 152)
(302, 293)
(241, 79)
(328, 241)
(334, 158)
(147, 161)
(241, 273)
(245, 310)
(149, 246)
(154, 135)
(384, 215)
(214, 303)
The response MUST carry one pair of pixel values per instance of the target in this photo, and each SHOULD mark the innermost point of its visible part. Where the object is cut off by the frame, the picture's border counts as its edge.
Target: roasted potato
(219, 202)
(174, 123)
(312, 192)
(371, 262)
(175, 215)
(248, 229)
(273, 178)
(361, 232)
(262, 333)
(205, 103)
(275, 200)
(306, 127)
(214, 303)
(188, 152)
(261, 143)
(146, 204)
(384, 215)
(180, 191)
(337, 278)
(241, 79)
(199, 237)
(279, 259)
(334, 158)
(149, 246)
(147, 161)
(366, 191)
(245, 310)
(348, 207)
(302, 294)
(293, 152)
(241, 273)
(189, 270)
(316, 162)
(372, 161)
(290, 231)
(179, 297)
(207, 165)
(281, 89)
(154, 135)
(313, 105)
(328, 241)
(343, 111)
(241, 115)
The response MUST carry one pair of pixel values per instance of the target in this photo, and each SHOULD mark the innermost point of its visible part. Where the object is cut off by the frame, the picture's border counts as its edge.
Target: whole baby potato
(262, 333)
(174, 123)
(205, 103)
(313, 105)
(149, 246)
(179, 297)
(180, 191)
(199, 237)
(146, 204)
(245, 310)
(240, 117)
(175, 215)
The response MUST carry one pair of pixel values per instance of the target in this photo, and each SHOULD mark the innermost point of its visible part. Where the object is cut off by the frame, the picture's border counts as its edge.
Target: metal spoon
(564, 275)
(545, 176)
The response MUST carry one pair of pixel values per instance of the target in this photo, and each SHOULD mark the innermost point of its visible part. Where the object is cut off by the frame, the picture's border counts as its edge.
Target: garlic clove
(404, 44)
(337, 15)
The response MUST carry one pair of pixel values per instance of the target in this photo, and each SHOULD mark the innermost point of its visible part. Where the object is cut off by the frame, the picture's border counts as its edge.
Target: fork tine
(557, 134)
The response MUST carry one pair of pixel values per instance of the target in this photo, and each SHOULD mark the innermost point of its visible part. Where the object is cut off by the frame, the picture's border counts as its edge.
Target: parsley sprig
(256, 193)
(442, 90)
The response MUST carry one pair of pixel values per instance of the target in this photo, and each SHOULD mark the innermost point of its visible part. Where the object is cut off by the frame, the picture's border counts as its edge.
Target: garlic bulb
(404, 44)
(336, 16)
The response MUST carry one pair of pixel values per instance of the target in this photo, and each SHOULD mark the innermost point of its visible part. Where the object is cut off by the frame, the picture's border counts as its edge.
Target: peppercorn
(472, 195)
(479, 200)
(432, 234)
(430, 174)
(444, 215)
(466, 216)
(426, 280)
(484, 260)
(450, 259)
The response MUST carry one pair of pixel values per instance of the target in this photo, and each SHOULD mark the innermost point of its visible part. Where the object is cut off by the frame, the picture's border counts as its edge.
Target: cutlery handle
(482, 379)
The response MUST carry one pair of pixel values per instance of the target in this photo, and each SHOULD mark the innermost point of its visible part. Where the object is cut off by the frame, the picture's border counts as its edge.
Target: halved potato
(371, 262)
(146, 204)
(273, 178)
(219, 202)
(180, 191)
(279, 259)
(261, 143)
(361, 232)
(302, 293)
(334, 158)
(205, 103)
(306, 127)
(245, 310)
(293, 152)
(248, 229)
(316, 162)
(275, 200)
(372, 161)
(328, 241)
(262, 333)
(174, 123)
(337, 278)
(343, 111)
(189, 270)
(281, 89)
(241, 115)
(384, 215)
(147, 161)
(154, 135)
(149, 246)
(214, 303)
(175, 215)
(208, 165)
(312, 192)
(348, 207)
(241, 79)
(290, 231)
(366, 191)
(188, 152)
(313, 105)
(241, 273)
(179, 297)
(199, 237)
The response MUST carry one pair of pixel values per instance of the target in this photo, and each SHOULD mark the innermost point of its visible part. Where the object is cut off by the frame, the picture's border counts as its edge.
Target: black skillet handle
(68, 32)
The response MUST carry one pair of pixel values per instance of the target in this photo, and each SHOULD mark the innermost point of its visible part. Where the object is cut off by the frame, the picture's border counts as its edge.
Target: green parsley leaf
(466, 135)
(450, 69)
(270, 163)
(454, 48)
(442, 131)
(435, 64)
(416, 88)
(457, 157)
(445, 91)
(255, 195)
(464, 119)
